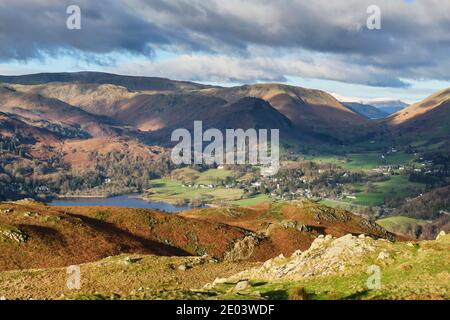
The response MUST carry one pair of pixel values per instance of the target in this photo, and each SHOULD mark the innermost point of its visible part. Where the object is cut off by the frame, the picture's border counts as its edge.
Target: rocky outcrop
(326, 256)
(12, 233)
(242, 249)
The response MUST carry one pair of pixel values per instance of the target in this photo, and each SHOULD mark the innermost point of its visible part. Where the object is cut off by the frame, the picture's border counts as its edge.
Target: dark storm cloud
(30, 29)
(413, 43)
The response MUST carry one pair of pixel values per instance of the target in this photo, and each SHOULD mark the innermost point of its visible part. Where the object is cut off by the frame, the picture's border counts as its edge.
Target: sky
(321, 44)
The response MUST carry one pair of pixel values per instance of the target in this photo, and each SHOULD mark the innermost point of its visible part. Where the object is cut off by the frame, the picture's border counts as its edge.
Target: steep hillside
(166, 111)
(425, 122)
(98, 99)
(79, 153)
(16, 128)
(160, 114)
(313, 112)
(38, 108)
(248, 113)
(428, 206)
(245, 113)
(49, 147)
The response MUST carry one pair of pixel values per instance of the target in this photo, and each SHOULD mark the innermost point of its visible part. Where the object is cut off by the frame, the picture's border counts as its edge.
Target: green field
(400, 224)
(364, 161)
(252, 200)
(174, 189)
(203, 183)
(396, 186)
(210, 176)
(213, 176)
(174, 192)
(339, 204)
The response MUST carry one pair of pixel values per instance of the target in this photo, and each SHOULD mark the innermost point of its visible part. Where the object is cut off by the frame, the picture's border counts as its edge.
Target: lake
(126, 201)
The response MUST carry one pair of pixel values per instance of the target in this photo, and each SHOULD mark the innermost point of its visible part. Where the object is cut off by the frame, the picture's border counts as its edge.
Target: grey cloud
(31, 29)
(225, 68)
(414, 41)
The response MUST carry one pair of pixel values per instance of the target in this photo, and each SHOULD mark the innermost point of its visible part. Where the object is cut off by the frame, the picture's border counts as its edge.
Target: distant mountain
(156, 104)
(366, 110)
(388, 106)
(427, 121)
(244, 113)
(162, 112)
(385, 105)
(129, 82)
(313, 112)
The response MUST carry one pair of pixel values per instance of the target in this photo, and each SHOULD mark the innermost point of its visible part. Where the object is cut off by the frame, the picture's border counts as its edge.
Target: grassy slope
(346, 205)
(252, 201)
(419, 271)
(146, 276)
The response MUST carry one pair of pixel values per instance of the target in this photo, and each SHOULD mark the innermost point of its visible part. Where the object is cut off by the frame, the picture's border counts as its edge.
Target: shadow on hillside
(115, 233)
(45, 234)
(357, 295)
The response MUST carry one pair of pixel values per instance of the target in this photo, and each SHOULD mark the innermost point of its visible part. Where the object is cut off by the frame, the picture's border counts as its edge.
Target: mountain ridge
(156, 103)
(428, 119)
(130, 82)
(152, 107)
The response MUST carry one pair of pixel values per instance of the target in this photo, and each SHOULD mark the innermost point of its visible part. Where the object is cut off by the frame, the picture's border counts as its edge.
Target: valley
(347, 180)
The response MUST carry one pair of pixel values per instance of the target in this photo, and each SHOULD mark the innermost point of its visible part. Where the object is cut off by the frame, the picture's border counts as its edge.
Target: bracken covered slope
(34, 235)
(293, 225)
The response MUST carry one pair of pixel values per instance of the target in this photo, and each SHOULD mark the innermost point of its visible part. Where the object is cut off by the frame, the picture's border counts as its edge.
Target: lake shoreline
(132, 200)
(84, 197)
